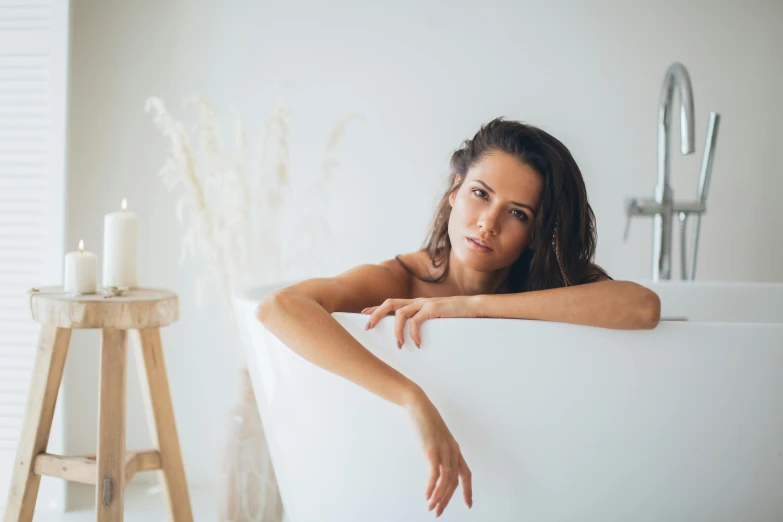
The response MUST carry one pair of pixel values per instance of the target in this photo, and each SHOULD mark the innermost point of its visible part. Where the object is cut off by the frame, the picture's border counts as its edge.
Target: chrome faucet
(663, 207)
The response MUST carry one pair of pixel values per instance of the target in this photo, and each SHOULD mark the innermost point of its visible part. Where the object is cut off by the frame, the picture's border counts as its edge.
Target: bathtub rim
(246, 294)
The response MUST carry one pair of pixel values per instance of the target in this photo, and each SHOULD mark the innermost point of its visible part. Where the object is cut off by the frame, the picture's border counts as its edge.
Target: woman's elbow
(649, 310)
(279, 303)
(267, 307)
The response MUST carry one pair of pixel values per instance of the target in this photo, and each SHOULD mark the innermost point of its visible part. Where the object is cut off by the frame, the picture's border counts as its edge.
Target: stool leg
(34, 437)
(163, 429)
(110, 481)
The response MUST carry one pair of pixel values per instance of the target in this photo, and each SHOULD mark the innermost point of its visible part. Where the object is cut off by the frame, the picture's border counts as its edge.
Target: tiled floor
(142, 504)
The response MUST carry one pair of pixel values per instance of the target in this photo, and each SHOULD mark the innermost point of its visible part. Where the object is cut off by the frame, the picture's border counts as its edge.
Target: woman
(513, 237)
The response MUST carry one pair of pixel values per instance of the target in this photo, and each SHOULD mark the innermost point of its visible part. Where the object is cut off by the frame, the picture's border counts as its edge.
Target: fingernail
(399, 344)
(367, 326)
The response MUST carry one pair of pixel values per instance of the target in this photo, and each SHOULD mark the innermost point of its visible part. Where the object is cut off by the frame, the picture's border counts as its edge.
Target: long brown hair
(562, 244)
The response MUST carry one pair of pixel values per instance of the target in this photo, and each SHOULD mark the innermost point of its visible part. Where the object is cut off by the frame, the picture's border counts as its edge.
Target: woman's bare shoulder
(358, 287)
(416, 268)
(412, 264)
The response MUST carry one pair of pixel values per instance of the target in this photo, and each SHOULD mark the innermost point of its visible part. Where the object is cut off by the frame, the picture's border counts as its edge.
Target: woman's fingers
(450, 478)
(401, 316)
(445, 480)
(453, 482)
(467, 481)
(434, 474)
(447, 497)
(415, 335)
(422, 315)
(403, 309)
(421, 305)
(442, 490)
(467, 490)
(388, 306)
(442, 452)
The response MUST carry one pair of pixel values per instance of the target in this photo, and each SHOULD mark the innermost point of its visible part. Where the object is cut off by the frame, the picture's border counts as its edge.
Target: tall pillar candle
(120, 248)
(81, 272)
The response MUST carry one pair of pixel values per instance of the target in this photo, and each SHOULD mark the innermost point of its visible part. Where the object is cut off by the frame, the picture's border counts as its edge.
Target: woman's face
(496, 205)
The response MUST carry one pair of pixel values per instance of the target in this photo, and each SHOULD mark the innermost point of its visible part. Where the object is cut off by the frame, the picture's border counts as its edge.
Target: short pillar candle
(81, 272)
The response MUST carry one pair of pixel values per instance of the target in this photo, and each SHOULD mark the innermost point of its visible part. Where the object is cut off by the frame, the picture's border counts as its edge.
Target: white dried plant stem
(182, 168)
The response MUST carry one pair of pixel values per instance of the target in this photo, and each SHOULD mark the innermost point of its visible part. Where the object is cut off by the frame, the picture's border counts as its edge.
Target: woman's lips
(476, 246)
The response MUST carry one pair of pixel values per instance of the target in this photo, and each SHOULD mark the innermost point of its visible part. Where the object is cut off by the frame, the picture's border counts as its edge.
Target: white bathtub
(557, 422)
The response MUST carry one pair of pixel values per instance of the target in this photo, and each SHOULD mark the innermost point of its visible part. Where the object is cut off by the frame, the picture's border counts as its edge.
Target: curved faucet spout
(663, 207)
(676, 78)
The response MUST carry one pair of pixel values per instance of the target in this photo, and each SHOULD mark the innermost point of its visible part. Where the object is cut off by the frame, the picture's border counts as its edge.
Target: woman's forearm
(609, 304)
(308, 329)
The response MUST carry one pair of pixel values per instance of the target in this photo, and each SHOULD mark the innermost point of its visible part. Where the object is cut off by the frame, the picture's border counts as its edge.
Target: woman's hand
(443, 453)
(419, 310)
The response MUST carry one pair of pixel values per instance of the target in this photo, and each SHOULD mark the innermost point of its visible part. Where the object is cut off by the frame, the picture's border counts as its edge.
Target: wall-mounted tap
(663, 207)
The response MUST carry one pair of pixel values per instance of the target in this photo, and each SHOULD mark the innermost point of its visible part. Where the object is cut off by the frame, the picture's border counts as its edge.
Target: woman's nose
(489, 222)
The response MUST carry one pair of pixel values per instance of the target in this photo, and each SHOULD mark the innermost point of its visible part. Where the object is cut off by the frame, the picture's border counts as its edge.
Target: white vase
(248, 489)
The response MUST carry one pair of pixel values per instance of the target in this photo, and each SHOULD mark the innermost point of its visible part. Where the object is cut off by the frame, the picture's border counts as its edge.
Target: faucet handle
(631, 209)
(627, 228)
(640, 207)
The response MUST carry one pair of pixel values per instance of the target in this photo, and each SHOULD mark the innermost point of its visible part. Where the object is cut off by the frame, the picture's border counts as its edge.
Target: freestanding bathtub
(557, 422)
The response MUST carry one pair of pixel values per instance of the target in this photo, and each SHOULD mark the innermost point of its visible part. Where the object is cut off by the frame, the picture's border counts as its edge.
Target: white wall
(425, 78)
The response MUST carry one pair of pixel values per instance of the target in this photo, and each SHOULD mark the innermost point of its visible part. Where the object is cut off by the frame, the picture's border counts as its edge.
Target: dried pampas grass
(233, 195)
(232, 202)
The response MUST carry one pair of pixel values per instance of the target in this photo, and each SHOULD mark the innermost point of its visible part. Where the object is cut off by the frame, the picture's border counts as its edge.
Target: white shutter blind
(33, 81)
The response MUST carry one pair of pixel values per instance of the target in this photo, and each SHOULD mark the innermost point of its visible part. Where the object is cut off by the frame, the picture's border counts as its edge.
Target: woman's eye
(516, 212)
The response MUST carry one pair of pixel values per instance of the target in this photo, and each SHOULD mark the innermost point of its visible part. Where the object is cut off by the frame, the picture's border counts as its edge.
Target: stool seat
(134, 309)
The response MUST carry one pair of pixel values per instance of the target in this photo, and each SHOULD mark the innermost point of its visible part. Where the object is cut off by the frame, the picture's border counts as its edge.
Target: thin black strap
(411, 272)
(414, 274)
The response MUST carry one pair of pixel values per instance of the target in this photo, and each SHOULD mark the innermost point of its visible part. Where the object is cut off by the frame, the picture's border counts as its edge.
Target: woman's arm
(300, 316)
(609, 304)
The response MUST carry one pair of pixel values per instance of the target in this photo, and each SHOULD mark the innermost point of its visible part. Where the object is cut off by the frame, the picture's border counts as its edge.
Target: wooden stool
(144, 311)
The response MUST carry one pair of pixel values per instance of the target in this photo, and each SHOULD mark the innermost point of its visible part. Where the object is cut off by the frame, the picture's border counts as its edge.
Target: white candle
(120, 248)
(81, 272)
